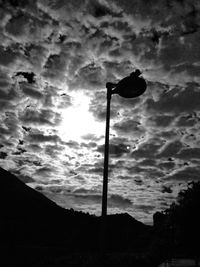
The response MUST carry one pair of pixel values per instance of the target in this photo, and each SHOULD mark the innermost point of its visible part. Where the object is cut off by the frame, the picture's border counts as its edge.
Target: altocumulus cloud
(56, 54)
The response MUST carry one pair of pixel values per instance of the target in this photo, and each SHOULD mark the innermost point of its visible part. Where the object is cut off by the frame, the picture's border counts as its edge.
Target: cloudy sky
(55, 59)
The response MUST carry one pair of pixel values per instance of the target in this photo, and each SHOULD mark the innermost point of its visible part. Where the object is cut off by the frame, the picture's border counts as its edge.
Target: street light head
(131, 86)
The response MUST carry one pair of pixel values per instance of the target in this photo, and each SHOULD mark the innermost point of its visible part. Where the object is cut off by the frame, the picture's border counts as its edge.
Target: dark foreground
(46, 257)
(35, 232)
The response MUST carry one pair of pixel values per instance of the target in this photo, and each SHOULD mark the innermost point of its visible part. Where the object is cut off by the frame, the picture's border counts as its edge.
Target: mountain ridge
(33, 223)
(19, 200)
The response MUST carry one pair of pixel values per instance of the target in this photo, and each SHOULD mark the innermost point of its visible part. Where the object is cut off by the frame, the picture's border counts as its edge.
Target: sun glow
(78, 121)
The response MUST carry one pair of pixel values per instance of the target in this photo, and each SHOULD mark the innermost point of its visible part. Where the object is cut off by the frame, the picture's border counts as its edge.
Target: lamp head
(131, 86)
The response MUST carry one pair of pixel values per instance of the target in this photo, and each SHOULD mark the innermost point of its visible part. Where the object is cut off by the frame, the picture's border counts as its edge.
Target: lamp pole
(106, 155)
(129, 87)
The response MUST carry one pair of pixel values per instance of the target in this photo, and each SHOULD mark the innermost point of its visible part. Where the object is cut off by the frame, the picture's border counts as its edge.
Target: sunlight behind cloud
(77, 121)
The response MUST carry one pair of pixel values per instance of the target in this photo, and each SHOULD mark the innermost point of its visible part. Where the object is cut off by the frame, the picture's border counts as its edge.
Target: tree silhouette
(184, 221)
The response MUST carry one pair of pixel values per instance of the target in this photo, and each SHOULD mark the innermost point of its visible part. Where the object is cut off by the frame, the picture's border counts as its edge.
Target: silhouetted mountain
(17, 200)
(33, 227)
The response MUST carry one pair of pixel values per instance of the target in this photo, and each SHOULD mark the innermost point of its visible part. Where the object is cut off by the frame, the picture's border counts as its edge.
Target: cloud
(88, 77)
(44, 171)
(91, 137)
(89, 145)
(117, 69)
(177, 101)
(129, 127)
(189, 153)
(10, 125)
(98, 107)
(187, 121)
(98, 9)
(124, 177)
(180, 51)
(114, 200)
(61, 10)
(54, 52)
(117, 200)
(40, 137)
(147, 150)
(167, 165)
(18, 26)
(185, 175)
(171, 149)
(55, 67)
(30, 116)
(65, 101)
(5, 81)
(145, 208)
(8, 57)
(54, 150)
(72, 144)
(31, 90)
(37, 55)
(34, 148)
(116, 150)
(147, 162)
(24, 30)
(162, 120)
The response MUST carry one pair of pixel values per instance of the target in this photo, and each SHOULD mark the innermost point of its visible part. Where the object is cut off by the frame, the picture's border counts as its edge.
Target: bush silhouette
(179, 225)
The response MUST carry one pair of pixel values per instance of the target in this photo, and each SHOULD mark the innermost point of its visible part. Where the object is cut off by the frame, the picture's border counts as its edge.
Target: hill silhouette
(17, 200)
(33, 227)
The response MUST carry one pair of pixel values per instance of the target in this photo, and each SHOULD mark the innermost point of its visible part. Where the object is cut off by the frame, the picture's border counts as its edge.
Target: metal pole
(106, 157)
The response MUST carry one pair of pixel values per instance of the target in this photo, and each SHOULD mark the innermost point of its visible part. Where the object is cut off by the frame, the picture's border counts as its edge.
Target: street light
(129, 87)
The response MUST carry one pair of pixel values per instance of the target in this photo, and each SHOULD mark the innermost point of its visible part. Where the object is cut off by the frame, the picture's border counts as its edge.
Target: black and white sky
(55, 59)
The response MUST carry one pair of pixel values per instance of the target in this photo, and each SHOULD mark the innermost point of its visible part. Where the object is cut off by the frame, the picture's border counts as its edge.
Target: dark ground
(35, 232)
